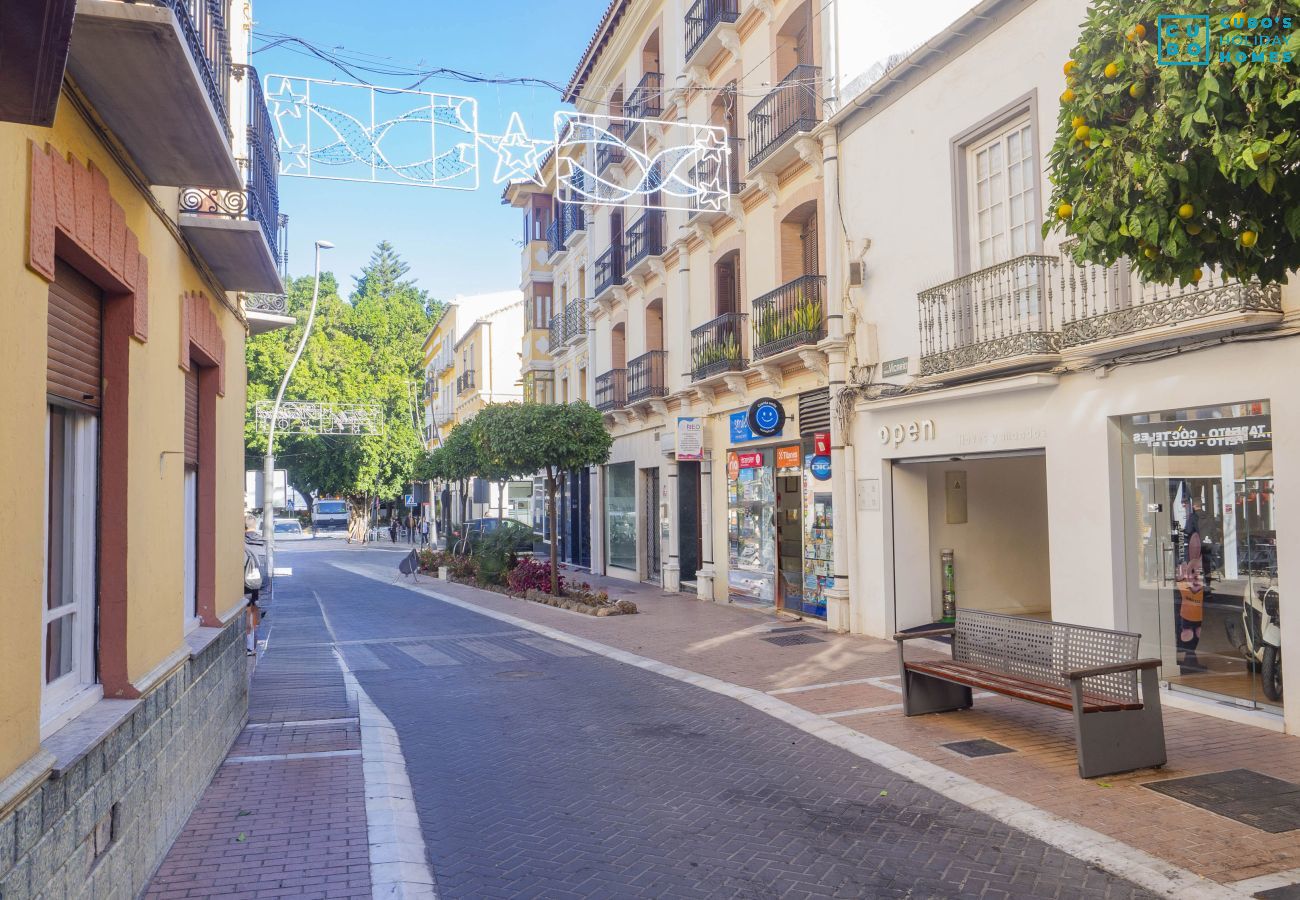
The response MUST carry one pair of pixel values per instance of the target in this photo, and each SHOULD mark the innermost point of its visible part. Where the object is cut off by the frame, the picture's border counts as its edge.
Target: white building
(1090, 447)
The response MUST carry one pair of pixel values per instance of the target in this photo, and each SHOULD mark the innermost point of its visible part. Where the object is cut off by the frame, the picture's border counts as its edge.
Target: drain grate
(1261, 801)
(977, 748)
(793, 640)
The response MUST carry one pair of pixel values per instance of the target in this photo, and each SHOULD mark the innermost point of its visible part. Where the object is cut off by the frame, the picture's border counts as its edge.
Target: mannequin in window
(1189, 590)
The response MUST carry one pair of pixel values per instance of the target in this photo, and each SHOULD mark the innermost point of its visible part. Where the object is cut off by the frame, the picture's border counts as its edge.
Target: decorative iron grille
(646, 100)
(792, 107)
(792, 315)
(645, 237)
(718, 346)
(645, 376)
(703, 17)
(274, 304)
(611, 390)
(465, 381)
(203, 24)
(609, 269)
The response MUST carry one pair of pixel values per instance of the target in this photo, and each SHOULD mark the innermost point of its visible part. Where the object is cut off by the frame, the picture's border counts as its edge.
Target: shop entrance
(650, 524)
(688, 519)
(789, 539)
(1202, 548)
(990, 511)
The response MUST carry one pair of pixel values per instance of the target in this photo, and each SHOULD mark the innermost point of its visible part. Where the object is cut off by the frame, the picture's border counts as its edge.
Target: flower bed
(527, 579)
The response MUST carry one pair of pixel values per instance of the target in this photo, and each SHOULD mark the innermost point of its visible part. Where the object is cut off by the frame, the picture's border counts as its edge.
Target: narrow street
(540, 769)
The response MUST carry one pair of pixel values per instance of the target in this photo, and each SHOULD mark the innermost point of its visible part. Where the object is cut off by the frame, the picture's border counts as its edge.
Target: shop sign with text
(690, 439)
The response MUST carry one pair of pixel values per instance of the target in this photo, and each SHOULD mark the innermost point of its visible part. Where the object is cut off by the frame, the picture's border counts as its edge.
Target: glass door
(751, 527)
(1202, 549)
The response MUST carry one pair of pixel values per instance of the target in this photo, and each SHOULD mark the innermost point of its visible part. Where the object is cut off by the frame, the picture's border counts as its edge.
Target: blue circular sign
(766, 417)
(820, 468)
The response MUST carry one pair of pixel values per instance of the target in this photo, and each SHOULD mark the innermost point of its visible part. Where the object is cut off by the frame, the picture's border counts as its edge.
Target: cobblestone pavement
(540, 770)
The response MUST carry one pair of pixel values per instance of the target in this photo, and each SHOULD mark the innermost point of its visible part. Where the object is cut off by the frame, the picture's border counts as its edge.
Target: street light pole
(268, 464)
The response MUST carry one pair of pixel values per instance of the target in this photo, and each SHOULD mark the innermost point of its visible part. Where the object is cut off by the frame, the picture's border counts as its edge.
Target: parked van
(329, 514)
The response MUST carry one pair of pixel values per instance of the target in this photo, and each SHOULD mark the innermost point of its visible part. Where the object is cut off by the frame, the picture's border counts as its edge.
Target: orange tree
(1176, 167)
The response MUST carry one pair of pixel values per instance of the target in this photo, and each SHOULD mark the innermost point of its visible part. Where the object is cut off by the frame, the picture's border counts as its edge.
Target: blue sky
(457, 242)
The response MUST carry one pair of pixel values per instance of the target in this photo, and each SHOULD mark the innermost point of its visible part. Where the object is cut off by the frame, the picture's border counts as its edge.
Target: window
(72, 468)
(1003, 209)
(620, 515)
(542, 308)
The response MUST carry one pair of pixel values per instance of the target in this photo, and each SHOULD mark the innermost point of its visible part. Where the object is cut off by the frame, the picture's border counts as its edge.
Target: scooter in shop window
(1260, 639)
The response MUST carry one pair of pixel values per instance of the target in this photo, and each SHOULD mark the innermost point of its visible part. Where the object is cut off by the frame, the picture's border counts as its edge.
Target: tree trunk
(555, 533)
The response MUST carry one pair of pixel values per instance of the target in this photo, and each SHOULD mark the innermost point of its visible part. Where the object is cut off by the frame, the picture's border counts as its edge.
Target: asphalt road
(541, 770)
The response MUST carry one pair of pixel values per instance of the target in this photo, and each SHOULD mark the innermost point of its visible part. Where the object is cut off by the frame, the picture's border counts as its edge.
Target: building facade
(1082, 445)
(144, 203)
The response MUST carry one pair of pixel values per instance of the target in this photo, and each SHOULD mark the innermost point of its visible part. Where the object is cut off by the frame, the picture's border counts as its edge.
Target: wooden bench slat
(1013, 686)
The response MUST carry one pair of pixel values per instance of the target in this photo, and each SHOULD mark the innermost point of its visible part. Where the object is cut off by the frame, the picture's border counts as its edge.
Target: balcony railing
(645, 238)
(1102, 304)
(575, 320)
(572, 216)
(609, 269)
(1003, 312)
(557, 331)
(260, 200)
(645, 376)
(646, 100)
(718, 346)
(611, 390)
(608, 153)
(465, 382)
(203, 23)
(567, 222)
(793, 106)
(712, 174)
(703, 17)
(554, 237)
(271, 304)
(790, 316)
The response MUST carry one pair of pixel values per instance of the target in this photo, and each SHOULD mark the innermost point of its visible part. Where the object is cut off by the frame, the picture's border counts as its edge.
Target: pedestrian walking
(250, 634)
(424, 532)
(392, 530)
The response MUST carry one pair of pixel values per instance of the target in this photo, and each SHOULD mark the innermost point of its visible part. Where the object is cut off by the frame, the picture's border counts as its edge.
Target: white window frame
(75, 691)
(1002, 197)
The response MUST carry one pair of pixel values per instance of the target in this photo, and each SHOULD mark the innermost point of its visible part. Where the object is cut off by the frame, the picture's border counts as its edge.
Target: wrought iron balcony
(645, 376)
(567, 221)
(554, 238)
(792, 107)
(1000, 317)
(237, 258)
(645, 238)
(646, 100)
(609, 154)
(575, 320)
(719, 175)
(1113, 306)
(718, 346)
(790, 316)
(557, 331)
(159, 75)
(465, 381)
(611, 390)
(703, 18)
(271, 304)
(572, 216)
(609, 269)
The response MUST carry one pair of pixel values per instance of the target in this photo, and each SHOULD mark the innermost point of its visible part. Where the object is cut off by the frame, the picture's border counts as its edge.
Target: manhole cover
(977, 748)
(1261, 801)
(520, 673)
(791, 640)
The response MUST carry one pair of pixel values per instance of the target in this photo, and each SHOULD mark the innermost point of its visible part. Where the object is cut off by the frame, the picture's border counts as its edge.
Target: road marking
(546, 645)
(281, 757)
(1077, 840)
(862, 710)
(399, 861)
(342, 721)
(819, 687)
(362, 660)
(490, 651)
(428, 656)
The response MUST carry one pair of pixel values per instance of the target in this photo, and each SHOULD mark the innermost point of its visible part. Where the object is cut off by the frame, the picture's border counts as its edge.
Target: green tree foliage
(456, 461)
(368, 349)
(1175, 167)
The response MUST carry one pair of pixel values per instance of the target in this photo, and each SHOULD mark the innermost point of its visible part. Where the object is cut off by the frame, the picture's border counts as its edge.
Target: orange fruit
(1196, 275)
(1067, 96)
(1111, 70)
(1151, 252)
(1070, 66)
(1186, 211)
(1082, 133)
(1140, 30)
(1249, 239)
(1064, 211)
(1137, 90)
(1076, 121)
(1193, 228)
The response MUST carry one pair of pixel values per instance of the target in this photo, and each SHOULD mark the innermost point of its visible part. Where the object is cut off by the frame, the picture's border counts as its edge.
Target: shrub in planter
(431, 559)
(531, 575)
(462, 568)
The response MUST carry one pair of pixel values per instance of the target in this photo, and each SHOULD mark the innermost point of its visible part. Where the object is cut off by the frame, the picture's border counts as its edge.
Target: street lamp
(268, 465)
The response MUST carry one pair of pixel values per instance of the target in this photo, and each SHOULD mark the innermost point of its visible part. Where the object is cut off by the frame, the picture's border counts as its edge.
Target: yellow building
(141, 199)
(439, 378)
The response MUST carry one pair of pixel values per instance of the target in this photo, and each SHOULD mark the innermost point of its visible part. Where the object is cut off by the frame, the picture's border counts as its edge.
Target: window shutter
(811, 264)
(814, 412)
(192, 416)
(726, 288)
(72, 370)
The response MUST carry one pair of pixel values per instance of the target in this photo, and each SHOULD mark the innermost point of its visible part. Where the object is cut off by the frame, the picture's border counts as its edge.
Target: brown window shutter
(192, 416)
(72, 369)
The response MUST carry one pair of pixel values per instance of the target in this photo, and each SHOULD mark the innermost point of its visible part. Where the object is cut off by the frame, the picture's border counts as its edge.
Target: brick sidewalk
(727, 642)
(285, 814)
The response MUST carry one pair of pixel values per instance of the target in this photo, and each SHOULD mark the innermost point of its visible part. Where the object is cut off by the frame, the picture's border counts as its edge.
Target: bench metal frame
(1062, 656)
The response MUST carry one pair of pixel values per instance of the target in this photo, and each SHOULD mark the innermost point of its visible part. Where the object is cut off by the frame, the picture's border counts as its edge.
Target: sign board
(1200, 436)
(894, 367)
(788, 457)
(690, 438)
(749, 460)
(822, 443)
(740, 430)
(410, 501)
(766, 417)
(820, 468)
(733, 466)
(253, 488)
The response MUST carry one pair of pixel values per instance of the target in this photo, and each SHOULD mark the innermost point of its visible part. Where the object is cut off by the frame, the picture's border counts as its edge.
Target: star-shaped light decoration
(286, 102)
(517, 154)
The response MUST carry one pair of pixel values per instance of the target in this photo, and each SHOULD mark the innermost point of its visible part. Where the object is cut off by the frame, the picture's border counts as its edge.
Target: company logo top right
(1190, 40)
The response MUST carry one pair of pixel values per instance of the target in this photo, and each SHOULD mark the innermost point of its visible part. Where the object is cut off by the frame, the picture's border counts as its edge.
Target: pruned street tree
(1176, 167)
(457, 461)
(493, 429)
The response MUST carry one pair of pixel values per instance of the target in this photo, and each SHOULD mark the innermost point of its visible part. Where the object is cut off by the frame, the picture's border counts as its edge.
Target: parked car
(525, 537)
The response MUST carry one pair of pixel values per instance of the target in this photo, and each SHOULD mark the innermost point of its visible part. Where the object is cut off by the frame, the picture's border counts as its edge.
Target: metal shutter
(192, 416)
(72, 369)
(815, 411)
